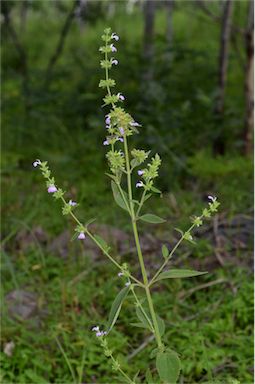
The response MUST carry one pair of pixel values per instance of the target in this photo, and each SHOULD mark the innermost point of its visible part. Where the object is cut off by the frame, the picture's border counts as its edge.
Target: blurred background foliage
(185, 68)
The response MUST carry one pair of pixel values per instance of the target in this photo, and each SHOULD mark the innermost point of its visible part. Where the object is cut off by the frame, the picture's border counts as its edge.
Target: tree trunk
(224, 53)
(148, 48)
(79, 13)
(23, 16)
(61, 42)
(249, 82)
(219, 142)
(169, 23)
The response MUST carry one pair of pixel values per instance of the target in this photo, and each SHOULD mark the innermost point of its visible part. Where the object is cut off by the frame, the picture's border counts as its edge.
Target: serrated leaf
(102, 242)
(179, 274)
(116, 307)
(168, 366)
(117, 196)
(150, 218)
(165, 251)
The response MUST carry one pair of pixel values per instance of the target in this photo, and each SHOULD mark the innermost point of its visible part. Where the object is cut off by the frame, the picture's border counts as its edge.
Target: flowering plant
(125, 166)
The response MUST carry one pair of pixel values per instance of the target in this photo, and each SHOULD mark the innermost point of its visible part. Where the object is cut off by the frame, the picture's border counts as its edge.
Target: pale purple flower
(134, 124)
(120, 274)
(120, 97)
(127, 284)
(120, 139)
(81, 236)
(121, 131)
(114, 36)
(113, 48)
(106, 142)
(98, 332)
(108, 120)
(212, 198)
(140, 172)
(36, 163)
(115, 62)
(52, 189)
(139, 184)
(72, 203)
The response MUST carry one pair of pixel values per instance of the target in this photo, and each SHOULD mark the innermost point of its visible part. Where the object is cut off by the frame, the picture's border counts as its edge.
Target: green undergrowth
(211, 331)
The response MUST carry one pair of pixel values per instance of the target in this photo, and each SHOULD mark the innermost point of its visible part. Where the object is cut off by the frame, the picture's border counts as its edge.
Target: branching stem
(138, 247)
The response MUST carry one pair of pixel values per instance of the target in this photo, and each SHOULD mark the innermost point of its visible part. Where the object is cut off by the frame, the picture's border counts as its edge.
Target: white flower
(212, 198)
(114, 36)
(37, 162)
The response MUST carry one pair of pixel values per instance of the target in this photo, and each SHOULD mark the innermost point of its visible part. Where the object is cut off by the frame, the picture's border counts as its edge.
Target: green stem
(139, 304)
(99, 245)
(107, 76)
(171, 254)
(138, 247)
(122, 372)
(66, 359)
(141, 203)
(124, 198)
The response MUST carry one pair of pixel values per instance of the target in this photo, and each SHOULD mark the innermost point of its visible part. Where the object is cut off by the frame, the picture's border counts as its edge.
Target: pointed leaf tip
(150, 218)
(178, 274)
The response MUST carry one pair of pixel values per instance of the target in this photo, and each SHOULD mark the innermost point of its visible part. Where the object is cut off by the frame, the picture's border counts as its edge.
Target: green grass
(211, 332)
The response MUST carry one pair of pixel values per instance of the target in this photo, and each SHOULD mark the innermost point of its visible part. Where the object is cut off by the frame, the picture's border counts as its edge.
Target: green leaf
(148, 377)
(114, 178)
(178, 274)
(168, 366)
(89, 222)
(156, 190)
(161, 325)
(143, 318)
(154, 353)
(117, 196)
(134, 163)
(165, 251)
(102, 242)
(138, 325)
(179, 230)
(147, 197)
(150, 218)
(136, 376)
(144, 321)
(116, 307)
